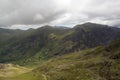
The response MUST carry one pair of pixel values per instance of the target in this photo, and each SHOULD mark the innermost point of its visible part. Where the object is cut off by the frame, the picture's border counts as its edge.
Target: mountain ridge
(85, 52)
(46, 42)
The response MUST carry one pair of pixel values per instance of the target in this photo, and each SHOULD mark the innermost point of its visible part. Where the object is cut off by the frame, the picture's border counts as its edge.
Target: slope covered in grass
(10, 70)
(32, 46)
(100, 63)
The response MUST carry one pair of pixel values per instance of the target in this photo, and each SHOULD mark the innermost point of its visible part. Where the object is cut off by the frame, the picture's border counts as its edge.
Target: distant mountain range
(23, 47)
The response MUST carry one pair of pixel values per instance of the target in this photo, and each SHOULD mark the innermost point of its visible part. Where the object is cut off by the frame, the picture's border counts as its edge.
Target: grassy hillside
(100, 63)
(33, 46)
(10, 70)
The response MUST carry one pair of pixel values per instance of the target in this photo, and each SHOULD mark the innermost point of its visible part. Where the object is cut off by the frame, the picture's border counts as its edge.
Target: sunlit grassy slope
(10, 70)
(100, 63)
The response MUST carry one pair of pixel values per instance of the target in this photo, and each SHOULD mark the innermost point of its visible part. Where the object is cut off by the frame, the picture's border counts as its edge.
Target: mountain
(34, 45)
(99, 63)
(85, 52)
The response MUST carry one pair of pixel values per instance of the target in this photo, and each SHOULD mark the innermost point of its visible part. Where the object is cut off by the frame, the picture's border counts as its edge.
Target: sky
(24, 14)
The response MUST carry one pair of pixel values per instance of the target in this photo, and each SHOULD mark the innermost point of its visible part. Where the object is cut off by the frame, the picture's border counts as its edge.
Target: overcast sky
(34, 13)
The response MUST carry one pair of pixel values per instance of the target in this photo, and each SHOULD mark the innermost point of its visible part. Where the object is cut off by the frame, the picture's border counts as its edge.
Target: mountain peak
(90, 25)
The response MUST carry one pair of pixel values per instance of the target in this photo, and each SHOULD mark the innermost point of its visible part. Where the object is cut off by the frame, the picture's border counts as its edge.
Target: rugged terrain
(85, 52)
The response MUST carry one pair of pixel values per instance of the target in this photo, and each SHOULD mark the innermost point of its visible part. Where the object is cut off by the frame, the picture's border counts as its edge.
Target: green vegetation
(84, 52)
(10, 70)
(35, 45)
(100, 63)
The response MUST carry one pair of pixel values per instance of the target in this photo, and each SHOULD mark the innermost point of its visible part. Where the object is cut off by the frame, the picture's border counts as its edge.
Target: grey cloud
(24, 11)
(106, 11)
(59, 12)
